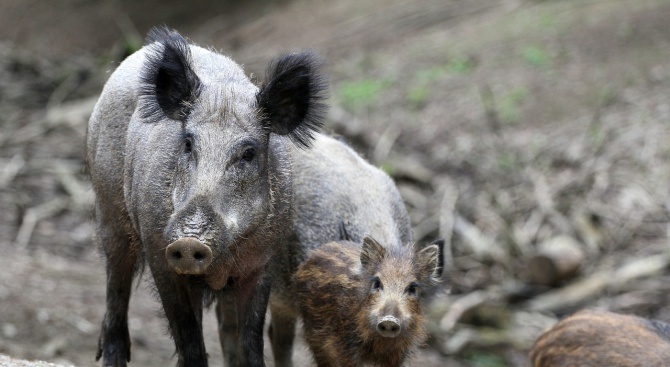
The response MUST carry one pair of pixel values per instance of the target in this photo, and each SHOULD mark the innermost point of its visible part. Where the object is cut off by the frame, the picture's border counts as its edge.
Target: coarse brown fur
(598, 338)
(341, 307)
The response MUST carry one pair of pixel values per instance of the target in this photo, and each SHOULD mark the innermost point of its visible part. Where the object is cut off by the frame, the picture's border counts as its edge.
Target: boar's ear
(169, 84)
(428, 264)
(343, 234)
(372, 253)
(291, 101)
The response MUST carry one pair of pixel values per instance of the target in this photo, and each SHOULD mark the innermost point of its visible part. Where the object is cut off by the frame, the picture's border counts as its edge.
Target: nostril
(388, 327)
(188, 256)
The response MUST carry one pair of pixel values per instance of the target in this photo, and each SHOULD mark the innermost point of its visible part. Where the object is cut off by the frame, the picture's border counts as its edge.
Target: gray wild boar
(360, 304)
(336, 195)
(191, 166)
(333, 187)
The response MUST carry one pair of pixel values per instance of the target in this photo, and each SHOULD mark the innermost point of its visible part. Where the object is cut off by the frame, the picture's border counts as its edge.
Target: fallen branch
(36, 214)
(11, 169)
(591, 286)
(483, 247)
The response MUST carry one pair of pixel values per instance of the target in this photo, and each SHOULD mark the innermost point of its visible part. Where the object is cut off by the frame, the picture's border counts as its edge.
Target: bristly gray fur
(169, 86)
(294, 75)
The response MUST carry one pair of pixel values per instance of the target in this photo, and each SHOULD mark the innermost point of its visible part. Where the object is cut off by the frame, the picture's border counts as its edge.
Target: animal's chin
(217, 277)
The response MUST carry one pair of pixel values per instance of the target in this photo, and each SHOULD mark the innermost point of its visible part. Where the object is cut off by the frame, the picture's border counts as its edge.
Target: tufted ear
(291, 100)
(169, 84)
(372, 253)
(428, 264)
(342, 231)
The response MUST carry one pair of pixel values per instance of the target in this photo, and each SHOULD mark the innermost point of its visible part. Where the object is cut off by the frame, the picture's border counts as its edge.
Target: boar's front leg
(121, 254)
(251, 300)
(183, 309)
(226, 315)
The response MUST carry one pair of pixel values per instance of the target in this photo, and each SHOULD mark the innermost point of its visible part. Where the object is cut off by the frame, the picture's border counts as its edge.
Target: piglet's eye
(376, 284)
(413, 289)
(249, 154)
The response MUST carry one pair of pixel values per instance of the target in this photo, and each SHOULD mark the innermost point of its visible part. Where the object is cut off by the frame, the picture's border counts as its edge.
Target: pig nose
(188, 256)
(388, 327)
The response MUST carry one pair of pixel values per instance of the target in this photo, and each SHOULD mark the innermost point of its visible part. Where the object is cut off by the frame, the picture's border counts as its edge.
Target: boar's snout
(188, 256)
(388, 327)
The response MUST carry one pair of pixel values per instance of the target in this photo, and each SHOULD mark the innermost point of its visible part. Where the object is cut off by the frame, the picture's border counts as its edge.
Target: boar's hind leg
(183, 310)
(227, 317)
(251, 300)
(122, 255)
(282, 334)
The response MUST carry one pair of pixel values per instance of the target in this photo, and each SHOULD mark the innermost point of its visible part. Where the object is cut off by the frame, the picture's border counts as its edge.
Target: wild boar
(191, 166)
(333, 187)
(598, 338)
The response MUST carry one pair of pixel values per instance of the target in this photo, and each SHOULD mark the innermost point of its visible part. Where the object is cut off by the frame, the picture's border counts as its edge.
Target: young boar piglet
(361, 304)
(598, 338)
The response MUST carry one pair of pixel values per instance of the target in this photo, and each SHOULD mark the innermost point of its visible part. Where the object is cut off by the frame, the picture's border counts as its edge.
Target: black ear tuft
(291, 100)
(169, 84)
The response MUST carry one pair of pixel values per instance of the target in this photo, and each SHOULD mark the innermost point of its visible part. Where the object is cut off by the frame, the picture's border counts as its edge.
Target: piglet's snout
(388, 326)
(188, 256)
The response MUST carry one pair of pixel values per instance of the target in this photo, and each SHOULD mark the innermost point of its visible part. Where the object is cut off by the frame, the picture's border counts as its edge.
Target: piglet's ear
(428, 264)
(169, 84)
(291, 100)
(372, 253)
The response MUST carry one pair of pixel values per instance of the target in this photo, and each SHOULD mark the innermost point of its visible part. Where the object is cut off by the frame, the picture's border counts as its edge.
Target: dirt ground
(506, 124)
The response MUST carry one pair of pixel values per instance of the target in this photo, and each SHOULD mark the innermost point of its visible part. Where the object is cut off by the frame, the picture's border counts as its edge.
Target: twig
(482, 246)
(11, 169)
(36, 214)
(596, 283)
(385, 143)
(80, 196)
(460, 306)
(446, 222)
(74, 114)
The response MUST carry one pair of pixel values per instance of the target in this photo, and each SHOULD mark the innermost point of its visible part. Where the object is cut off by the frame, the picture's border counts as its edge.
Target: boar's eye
(188, 144)
(376, 285)
(413, 289)
(249, 154)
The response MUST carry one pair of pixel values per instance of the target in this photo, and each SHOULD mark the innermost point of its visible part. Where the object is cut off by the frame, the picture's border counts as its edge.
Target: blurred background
(534, 136)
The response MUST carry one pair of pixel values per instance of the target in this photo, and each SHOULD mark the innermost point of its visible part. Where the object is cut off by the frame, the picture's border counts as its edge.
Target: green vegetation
(417, 96)
(486, 360)
(536, 56)
(461, 65)
(356, 95)
(419, 90)
(508, 161)
(509, 106)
